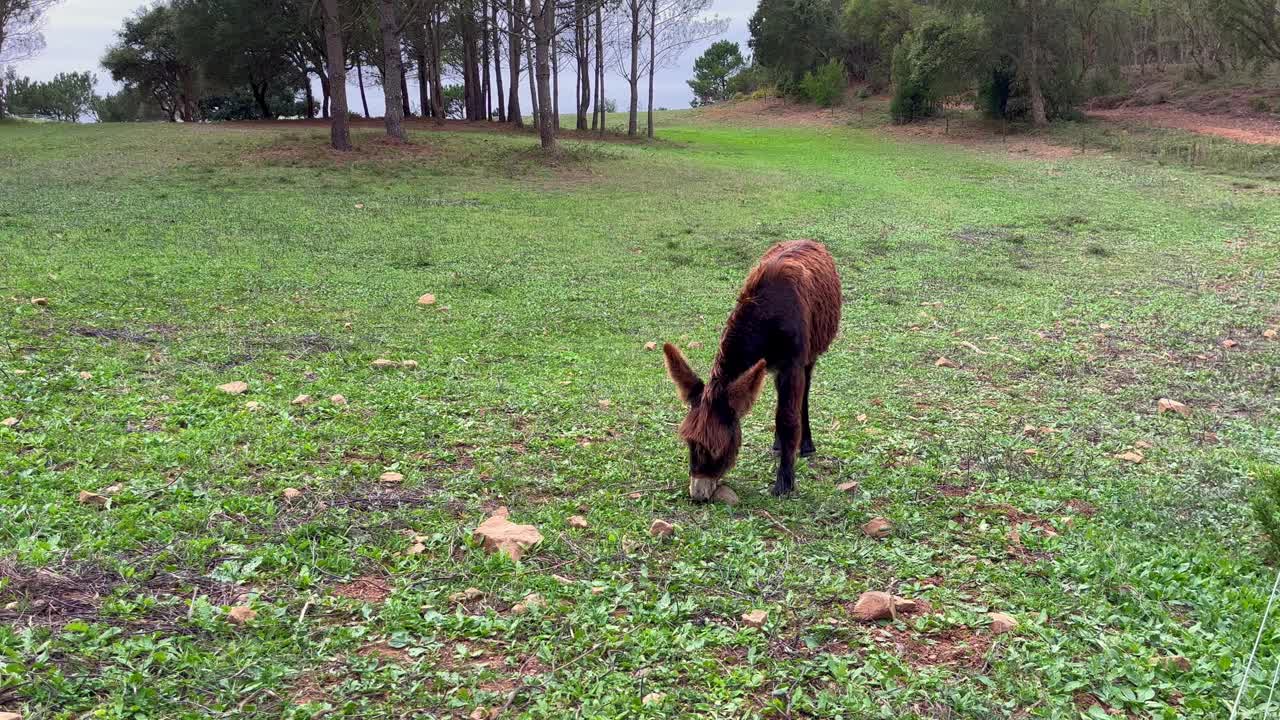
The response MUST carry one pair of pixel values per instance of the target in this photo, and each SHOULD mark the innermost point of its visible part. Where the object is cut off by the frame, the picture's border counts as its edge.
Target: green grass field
(1073, 294)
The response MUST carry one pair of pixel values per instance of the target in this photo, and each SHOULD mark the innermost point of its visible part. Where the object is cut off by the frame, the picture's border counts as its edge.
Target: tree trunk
(339, 130)
(600, 98)
(544, 23)
(438, 110)
(404, 89)
(364, 101)
(516, 27)
(497, 64)
(324, 94)
(259, 91)
(555, 74)
(1031, 52)
(633, 125)
(484, 59)
(582, 46)
(653, 27)
(311, 97)
(393, 114)
(532, 73)
(424, 95)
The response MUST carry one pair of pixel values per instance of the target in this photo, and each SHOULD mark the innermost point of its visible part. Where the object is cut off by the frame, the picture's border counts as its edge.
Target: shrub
(1259, 104)
(1266, 506)
(825, 87)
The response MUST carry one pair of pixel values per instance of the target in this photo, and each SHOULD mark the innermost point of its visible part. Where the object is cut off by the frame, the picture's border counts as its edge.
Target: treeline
(1019, 59)
(194, 60)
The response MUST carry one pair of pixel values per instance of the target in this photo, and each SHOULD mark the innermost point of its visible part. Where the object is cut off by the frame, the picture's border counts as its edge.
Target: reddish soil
(1251, 130)
(772, 111)
(368, 588)
(958, 647)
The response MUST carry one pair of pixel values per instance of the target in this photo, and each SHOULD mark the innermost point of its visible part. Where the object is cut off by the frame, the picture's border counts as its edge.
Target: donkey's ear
(686, 380)
(746, 388)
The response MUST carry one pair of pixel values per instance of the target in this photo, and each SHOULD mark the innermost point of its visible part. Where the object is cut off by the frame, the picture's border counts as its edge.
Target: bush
(934, 61)
(825, 87)
(1266, 507)
(1259, 104)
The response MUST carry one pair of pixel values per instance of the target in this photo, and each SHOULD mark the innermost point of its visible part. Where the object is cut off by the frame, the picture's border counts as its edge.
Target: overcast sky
(78, 31)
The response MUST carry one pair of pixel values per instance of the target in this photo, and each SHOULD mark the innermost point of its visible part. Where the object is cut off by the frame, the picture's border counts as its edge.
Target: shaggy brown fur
(787, 315)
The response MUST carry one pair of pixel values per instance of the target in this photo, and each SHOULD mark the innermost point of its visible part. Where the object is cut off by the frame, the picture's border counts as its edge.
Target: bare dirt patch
(1250, 130)
(980, 135)
(772, 111)
(958, 647)
(366, 588)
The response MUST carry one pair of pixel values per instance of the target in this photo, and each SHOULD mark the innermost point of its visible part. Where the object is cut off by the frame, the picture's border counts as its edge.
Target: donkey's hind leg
(806, 439)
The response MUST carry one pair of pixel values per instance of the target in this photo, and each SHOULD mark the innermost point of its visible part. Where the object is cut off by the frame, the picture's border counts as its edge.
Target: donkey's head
(712, 429)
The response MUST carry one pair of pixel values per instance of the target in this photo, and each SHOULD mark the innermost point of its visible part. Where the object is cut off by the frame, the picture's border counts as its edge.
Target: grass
(1073, 294)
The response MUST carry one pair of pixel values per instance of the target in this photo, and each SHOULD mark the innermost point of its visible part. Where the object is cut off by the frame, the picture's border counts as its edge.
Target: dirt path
(1251, 130)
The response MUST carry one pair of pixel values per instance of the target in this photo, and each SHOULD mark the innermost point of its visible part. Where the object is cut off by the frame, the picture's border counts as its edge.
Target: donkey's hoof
(808, 451)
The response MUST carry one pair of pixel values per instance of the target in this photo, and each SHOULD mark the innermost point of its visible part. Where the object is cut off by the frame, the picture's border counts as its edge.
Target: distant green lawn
(1073, 294)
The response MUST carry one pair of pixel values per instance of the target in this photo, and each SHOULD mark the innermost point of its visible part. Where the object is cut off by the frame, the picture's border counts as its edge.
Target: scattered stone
(873, 605)
(944, 362)
(112, 489)
(579, 522)
(302, 400)
(878, 528)
(755, 618)
(851, 486)
(416, 549)
(1270, 334)
(10, 716)
(532, 601)
(92, 498)
(651, 345)
(725, 494)
(1179, 663)
(1031, 452)
(661, 528)
(635, 495)
(239, 387)
(409, 364)
(383, 364)
(597, 590)
(291, 493)
(480, 713)
(40, 301)
(1165, 405)
(465, 596)
(1002, 623)
(606, 404)
(862, 417)
(253, 406)
(562, 579)
(695, 345)
(9, 422)
(241, 614)
(86, 375)
(1132, 456)
(338, 400)
(905, 605)
(498, 534)
(359, 206)
(427, 299)
(1143, 445)
(391, 476)
(1229, 343)
(653, 698)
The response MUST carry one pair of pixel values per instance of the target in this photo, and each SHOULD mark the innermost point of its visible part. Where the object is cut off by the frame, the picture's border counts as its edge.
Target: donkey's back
(797, 283)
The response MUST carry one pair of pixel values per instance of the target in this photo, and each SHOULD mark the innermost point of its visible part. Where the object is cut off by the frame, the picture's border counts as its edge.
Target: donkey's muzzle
(701, 489)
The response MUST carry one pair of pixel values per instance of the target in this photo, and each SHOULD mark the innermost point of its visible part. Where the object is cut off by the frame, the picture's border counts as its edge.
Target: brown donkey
(787, 315)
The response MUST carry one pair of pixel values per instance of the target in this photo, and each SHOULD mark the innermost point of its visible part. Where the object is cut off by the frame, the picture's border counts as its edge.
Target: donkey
(787, 315)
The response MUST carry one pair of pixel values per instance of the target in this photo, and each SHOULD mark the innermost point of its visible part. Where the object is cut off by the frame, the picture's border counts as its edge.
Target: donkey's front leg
(790, 385)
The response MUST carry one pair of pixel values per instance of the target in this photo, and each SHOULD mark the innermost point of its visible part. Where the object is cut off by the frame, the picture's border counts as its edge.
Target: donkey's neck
(741, 346)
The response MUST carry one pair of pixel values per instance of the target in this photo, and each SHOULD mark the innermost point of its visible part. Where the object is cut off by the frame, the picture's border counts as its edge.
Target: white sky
(78, 32)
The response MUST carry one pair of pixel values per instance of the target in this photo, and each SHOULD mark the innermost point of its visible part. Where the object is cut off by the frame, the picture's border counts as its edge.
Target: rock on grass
(661, 528)
(578, 522)
(1165, 405)
(237, 387)
(391, 477)
(240, 614)
(877, 528)
(725, 494)
(498, 534)
(1002, 623)
(92, 498)
(755, 618)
